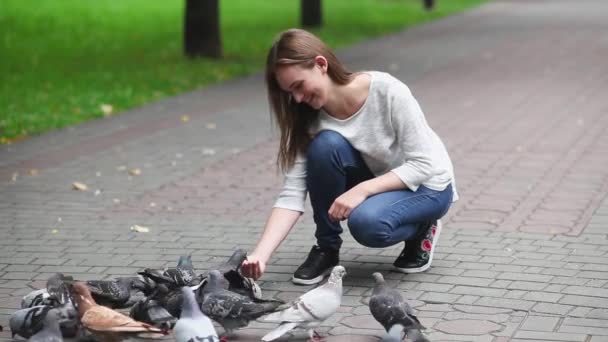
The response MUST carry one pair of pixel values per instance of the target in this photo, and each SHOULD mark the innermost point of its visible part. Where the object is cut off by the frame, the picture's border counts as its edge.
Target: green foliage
(60, 61)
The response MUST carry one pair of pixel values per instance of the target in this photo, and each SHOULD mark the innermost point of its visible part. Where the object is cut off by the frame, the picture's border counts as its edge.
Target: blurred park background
(63, 62)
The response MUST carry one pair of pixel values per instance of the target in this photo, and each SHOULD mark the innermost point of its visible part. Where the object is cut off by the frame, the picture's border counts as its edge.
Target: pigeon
(193, 325)
(169, 299)
(120, 293)
(237, 282)
(230, 309)
(36, 297)
(106, 324)
(151, 312)
(27, 322)
(181, 275)
(390, 309)
(310, 309)
(50, 331)
(58, 288)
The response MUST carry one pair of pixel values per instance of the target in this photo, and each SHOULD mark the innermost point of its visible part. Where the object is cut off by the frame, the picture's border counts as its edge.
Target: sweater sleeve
(413, 136)
(293, 195)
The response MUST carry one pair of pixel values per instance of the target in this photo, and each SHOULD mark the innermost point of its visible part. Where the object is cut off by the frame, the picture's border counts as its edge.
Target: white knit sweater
(392, 135)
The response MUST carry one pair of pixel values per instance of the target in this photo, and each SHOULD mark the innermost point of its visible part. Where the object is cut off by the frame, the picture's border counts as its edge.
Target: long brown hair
(297, 47)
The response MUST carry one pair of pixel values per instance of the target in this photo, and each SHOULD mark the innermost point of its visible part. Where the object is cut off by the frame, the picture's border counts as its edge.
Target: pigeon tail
(279, 331)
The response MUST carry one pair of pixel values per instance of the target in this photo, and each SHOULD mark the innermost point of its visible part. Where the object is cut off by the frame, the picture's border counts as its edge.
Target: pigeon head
(217, 280)
(337, 273)
(82, 297)
(378, 278)
(189, 305)
(237, 257)
(184, 260)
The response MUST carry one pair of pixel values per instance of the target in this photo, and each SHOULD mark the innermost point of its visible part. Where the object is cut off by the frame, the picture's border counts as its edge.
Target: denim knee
(324, 144)
(368, 229)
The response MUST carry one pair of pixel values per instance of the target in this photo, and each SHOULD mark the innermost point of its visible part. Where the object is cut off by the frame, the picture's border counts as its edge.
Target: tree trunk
(429, 4)
(202, 29)
(310, 11)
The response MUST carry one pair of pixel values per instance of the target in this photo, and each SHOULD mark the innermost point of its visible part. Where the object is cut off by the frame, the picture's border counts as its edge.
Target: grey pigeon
(169, 299)
(183, 274)
(29, 321)
(58, 288)
(36, 297)
(50, 331)
(150, 311)
(237, 282)
(230, 309)
(119, 293)
(310, 309)
(390, 309)
(176, 277)
(193, 325)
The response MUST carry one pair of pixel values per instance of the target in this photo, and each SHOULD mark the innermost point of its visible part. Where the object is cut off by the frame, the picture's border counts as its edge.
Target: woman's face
(307, 85)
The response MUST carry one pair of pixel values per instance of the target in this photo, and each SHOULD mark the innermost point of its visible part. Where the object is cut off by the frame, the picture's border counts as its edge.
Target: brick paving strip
(515, 88)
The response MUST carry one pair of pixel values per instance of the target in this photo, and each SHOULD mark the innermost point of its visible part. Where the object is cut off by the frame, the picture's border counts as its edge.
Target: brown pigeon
(106, 324)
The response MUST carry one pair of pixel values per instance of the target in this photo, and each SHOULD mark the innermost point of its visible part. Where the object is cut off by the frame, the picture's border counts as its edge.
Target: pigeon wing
(315, 305)
(100, 318)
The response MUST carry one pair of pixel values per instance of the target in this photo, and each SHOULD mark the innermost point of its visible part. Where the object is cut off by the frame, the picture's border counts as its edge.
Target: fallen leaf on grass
(107, 109)
(80, 186)
(140, 229)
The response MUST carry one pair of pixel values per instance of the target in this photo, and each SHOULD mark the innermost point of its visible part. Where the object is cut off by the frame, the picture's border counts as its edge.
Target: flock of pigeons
(177, 299)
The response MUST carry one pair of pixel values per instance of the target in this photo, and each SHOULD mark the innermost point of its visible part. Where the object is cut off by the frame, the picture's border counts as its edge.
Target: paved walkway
(517, 90)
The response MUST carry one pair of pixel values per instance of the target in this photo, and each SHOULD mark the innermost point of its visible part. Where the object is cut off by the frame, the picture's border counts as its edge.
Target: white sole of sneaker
(312, 281)
(428, 264)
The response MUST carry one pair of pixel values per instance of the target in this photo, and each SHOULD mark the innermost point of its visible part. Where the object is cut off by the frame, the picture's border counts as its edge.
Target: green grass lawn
(61, 60)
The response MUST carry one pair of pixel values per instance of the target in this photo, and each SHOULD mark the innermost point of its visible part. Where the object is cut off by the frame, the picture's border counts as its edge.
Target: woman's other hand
(347, 202)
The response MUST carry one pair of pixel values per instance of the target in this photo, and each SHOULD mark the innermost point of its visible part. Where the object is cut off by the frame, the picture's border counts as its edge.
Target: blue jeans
(382, 220)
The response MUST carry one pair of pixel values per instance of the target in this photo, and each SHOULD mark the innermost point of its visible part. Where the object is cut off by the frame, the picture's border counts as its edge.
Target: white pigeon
(193, 325)
(36, 297)
(310, 309)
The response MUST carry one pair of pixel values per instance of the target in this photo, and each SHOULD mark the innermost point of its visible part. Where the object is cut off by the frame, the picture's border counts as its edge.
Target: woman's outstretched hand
(253, 267)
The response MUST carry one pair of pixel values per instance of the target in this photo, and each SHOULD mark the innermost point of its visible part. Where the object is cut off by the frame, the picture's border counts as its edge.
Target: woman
(360, 145)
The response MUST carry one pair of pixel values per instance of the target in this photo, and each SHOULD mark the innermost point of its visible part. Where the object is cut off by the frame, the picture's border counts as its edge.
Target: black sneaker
(417, 255)
(318, 264)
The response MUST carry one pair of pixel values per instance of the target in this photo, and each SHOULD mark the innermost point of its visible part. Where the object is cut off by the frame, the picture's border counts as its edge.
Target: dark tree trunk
(429, 4)
(202, 29)
(310, 11)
